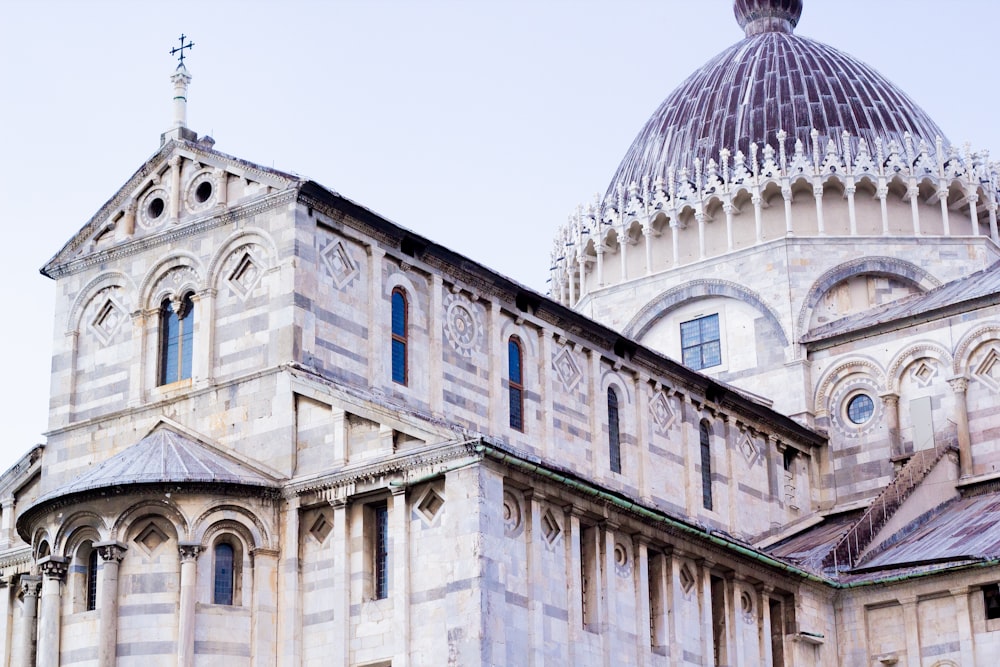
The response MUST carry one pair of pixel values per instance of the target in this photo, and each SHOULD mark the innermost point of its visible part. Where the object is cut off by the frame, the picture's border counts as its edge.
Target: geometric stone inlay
(686, 580)
(244, 277)
(988, 370)
(430, 505)
(749, 450)
(339, 264)
(663, 414)
(511, 514)
(321, 527)
(109, 317)
(151, 537)
(461, 327)
(550, 527)
(623, 566)
(923, 373)
(567, 369)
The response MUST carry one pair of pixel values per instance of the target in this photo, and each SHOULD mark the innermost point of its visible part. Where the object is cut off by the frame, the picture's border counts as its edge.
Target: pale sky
(480, 124)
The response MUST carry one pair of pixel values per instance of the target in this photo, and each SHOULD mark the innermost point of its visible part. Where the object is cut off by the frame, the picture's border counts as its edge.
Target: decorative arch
(883, 266)
(237, 240)
(858, 365)
(673, 298)
(165, 509)
(91, 289)
(970, 342)
(612, 378)
(74, 525)
(238, 518)
(152, 291)
(527, 336)
(911, 354)
(416, 314)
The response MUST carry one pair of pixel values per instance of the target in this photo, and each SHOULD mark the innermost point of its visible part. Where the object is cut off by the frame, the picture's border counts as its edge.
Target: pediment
(183, 183)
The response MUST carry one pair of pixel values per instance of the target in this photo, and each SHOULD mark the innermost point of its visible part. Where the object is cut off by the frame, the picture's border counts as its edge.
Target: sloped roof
(808, 548)
(164, 456)
(980, 286)
(966, 529)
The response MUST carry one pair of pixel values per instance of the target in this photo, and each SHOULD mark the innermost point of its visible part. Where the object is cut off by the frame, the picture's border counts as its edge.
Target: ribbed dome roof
(772, 80)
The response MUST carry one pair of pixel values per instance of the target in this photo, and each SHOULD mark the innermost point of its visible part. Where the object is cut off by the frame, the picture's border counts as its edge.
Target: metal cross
(180, 49)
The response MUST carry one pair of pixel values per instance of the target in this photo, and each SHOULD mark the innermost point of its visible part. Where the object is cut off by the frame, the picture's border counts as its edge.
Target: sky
(480, 124)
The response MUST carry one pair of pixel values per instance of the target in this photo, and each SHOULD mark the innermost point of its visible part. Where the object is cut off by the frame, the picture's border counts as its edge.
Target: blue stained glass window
(176, 340)
(381, 552)
(399, 336)
(706, 467)
(92, 580)
(515, 383)
(224, 580)
(614, 436)
(700, 346)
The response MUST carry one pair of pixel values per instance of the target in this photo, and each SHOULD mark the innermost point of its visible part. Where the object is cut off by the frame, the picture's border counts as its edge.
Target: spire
(181, 78)
(759, 16)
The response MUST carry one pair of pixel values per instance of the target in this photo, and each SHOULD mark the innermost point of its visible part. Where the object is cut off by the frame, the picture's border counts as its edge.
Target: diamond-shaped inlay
(988, 370)
(550, 527)
(749, 450)
(245, 276)
(686, 580)
(663, 415)
(151, 537)
(321, 527)
(109, 317)
(430, 505)
(339, 263)
(567, 369)
(923, 373)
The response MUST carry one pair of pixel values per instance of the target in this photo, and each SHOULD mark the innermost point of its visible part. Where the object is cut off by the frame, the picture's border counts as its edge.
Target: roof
(808, 548)
(772, 80)
(164, 456)
(956, 295)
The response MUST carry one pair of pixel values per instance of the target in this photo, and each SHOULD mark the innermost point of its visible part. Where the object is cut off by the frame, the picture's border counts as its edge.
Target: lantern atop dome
(760, 16)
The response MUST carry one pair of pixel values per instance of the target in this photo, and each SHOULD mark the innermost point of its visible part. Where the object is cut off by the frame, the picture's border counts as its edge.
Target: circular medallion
(461, 327)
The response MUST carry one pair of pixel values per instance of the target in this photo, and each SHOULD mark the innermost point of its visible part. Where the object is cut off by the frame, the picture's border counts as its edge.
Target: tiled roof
(164, 456)
(974, 287)
(768, 82)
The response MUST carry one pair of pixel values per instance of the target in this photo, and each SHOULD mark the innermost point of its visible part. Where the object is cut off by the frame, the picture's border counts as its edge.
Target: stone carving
(567, 370)
(663, 415)
(339, 264)
(242, 272)
(108, 316)
(462, 327)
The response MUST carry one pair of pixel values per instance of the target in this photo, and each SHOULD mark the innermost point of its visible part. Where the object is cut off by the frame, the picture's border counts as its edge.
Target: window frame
(705, 443)
(90, 582)
(515, 386)
(614, 431)
(380, 550)
(230, 578)
(400, 338)
(702, 344)
(176, 340)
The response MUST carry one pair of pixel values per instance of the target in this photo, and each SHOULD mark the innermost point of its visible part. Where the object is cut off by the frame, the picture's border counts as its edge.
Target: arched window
(224, 574)
(400, 322)
(516, 383)
(176, 339)
(614, 436)
(92, 580)
(706, 466)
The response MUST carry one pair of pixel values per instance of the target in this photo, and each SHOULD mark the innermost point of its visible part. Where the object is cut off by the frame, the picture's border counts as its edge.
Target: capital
(189, 551)
(111, 551)
(53, 567)
(959, 384)
(28, 585)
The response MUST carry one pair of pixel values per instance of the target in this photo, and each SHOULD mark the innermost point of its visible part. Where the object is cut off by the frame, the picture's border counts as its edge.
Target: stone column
(786, 194)
(818, 196)
(25, 655)
(574, 592)
(399, 530)
(599, 249)
(700, 217)
(6, 520)
(734, 619)
(913, 192)
(991, 207)
(707, 619)
(581, 261)
(537, 581)
(943, 198)
(49, 623)
(973, 198)
(764, 617)
(378, 323)
(960, 385)
(728, 209)
(675, 230)
(289, 617)
(185, 623)
(608, 606)
(647, 234)
(496, 351)
(137, 367)
(5, 621)
(341, 582)
(435, 383)
(911, 623)
(882, 192)
(111, 554)
(264, 606)
(966, 641)
(644, 613)
(175, 189)
(204, 337)
(758, 201)
(850, 190)
(891, 402)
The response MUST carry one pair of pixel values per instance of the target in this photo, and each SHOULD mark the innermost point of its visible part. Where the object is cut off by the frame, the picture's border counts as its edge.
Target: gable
(183, 183)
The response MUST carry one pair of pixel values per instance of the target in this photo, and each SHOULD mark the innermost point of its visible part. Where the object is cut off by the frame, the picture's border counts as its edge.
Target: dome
(772, 80)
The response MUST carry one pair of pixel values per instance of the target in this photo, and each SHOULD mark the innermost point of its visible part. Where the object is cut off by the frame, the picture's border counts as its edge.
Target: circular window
(203, 192)
(860, 409)
(155, 208)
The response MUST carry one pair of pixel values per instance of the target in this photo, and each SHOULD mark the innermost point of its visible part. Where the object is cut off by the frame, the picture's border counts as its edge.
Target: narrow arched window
(400, 322)
(176, 339)
(706, 466)
(614, 435)
(516, 383)
(224, 579)
(92, 580)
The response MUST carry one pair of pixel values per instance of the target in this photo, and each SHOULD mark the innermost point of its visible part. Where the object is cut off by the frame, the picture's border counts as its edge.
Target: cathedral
(752, 424)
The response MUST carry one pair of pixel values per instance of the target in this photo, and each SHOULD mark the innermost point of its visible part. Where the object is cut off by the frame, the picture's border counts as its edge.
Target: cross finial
(179, 50)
